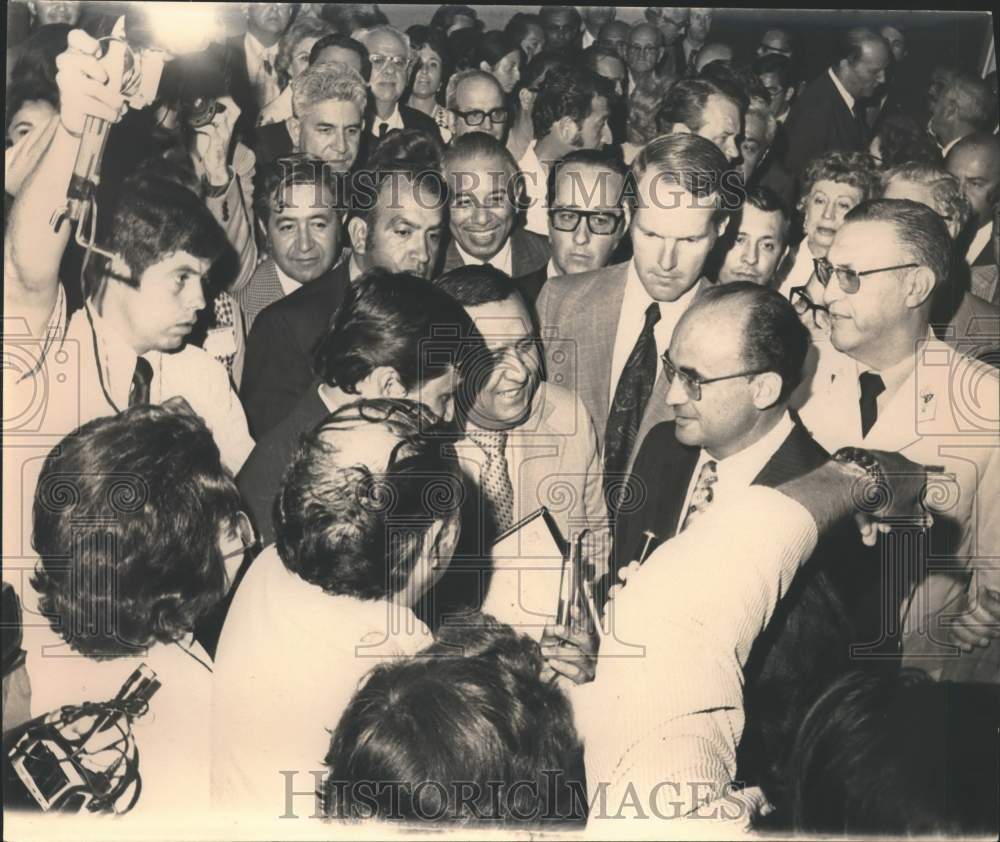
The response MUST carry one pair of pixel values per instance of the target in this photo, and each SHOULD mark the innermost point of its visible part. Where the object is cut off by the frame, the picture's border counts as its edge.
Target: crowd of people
(351, 304)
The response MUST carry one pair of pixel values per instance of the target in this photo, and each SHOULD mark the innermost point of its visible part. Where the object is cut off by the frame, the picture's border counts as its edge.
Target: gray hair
(949, 201)
(451, 92)
(365, 36)
(329, 80)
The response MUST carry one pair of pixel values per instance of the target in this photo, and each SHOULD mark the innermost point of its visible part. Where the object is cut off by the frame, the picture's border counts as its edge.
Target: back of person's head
(737, 81)
(350, 17)
(854, 168)
(902, 140)
(344, 42)
(774, 338)
(127, 516)
(643, 104)
(974, 103)
(353, 519)
(897, 754)
(37, 59)
(539, 67)
(399, 321)
(272, 179)
(463, 46)
(946, 190)
(155, 218)
(518, 27)
(686, 103)
(471, 286)
(566, 92)
(455, 738)
(918, 229)
(494, 45)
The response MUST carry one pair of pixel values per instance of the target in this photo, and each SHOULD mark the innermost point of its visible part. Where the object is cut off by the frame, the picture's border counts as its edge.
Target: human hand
(211, 152)
(899, 499)
(569, 651)
(85, 90)
(978, 623)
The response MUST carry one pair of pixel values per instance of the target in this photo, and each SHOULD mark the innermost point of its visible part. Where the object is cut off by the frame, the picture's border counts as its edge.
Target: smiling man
(631, 309)
(484, 186)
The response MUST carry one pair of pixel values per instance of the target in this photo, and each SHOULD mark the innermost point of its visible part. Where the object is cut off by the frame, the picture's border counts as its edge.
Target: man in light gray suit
(605, 331)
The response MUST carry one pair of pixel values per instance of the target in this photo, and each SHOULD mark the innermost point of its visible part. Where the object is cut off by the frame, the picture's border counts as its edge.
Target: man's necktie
(702, 496)
(268, 67)
(859, 118)
(631, 396)
(495, 479)
(383, 129)
(871, 387)
(138, 393)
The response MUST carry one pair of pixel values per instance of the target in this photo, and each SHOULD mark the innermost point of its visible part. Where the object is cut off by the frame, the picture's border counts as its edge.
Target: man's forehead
(661, 192)
(478, 175)
(304, 200)
(587, 186)
(974, 162)
(501, 322)
(387, 42)
(835, 189)
(402, 198)
(480, 92)
(761, 222)
(857, 240)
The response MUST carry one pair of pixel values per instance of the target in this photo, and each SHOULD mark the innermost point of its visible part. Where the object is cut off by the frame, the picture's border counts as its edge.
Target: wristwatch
(870, 492)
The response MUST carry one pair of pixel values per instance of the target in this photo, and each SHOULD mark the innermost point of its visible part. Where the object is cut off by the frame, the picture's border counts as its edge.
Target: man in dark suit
(400, 232)
(482, 177)
(391, 59)
(604, 330)
(975, 162)
(735, 358)
(382, 344)
(829, 114)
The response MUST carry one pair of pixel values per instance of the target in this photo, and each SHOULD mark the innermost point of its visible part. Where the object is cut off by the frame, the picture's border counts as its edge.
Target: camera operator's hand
(902, 498)
(569, 651)
(84, 88)
(211, 144)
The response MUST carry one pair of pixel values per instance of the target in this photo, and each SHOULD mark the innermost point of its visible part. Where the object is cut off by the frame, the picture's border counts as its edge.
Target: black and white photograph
(500, 421)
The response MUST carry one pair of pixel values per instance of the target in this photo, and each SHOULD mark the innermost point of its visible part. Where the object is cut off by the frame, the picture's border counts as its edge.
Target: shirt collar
(947, 147)
(895, 375)
(394, 121)
(844, 93)
(979, 241)
(115, 357)
(258, 51)
(501, 260)
(288, 284)
(739, 469)
(637, 297)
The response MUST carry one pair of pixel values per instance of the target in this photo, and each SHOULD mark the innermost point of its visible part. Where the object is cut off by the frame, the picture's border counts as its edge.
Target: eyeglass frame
(495, 122)
(243, 529)
(379, 60)
(692, 386)
(811, 306)
(589, 215)
(829, 270)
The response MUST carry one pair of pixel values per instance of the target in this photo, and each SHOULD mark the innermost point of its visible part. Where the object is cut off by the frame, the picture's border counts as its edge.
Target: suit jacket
(806, 643)
(529, 252)
(412, 119)
(272, 142)
(262, 291)
(971, 326)
(820, 122)
(260, 477)
(280, 348)
(945, 413)
(531, 284)
(579, 316)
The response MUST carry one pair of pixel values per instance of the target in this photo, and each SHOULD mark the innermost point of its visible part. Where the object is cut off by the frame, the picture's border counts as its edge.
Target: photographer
(127, 344)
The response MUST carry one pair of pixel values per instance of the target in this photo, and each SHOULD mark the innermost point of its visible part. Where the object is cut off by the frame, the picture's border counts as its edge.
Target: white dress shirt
(632, 318)
(277, 110)
(799, 274)
(947, 147)
(737, 471)
(265, 85)
(289, 659)
(288, 284)
(552, 271)
(393, 121)
(664, 714)
(588, 39)
(844, 93)
(536, 181)
(502, 260)
(979, 242)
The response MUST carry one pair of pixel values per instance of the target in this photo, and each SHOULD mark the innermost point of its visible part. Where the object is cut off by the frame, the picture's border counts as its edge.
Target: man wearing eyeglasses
(735, 358)
(645, 50)
(391, 59)
(570, 112)
(899, 388)
(618, 320)
(476, 103)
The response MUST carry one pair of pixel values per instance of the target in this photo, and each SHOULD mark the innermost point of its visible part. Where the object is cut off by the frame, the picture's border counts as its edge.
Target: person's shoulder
(305, 298)
(192, 361)
(562, 410)
(416, 119)
(582, 283)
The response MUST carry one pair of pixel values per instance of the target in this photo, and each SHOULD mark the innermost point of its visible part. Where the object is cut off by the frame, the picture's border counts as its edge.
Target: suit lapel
(452, 259)
(797, 454)
(678, 463)
(594, 368)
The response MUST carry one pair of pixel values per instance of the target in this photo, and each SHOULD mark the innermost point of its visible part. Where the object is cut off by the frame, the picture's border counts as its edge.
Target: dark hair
(355, 531)
(156, 218)
(28, 90)
(590, 158)
(567, 92)
(547, 12)
(479, 145)
(494, 45)
(920, 230)
(347, 17)
(425, 36)
(273, 178)
(897, 754)
(444, 18)
(395, 320)
(405, 155)
(37, 59)
(441, 728)
(686, 102)
(517, 26)
(345, 42)
(126, 523)
(849, 43)
(471, 285)
(904, 141)
(463, 46)
(774, 338)
(737, 81)
(780, 66)
(758, 196)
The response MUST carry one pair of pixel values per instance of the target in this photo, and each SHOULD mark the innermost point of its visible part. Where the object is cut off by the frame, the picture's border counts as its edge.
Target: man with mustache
(619, 320)
(484, 188)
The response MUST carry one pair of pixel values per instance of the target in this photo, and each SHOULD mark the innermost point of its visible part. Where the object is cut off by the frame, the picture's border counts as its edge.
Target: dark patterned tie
(631, 397)
(702, 495)
(383, 129)
(138, 393)
(495, 477)
(871, 387)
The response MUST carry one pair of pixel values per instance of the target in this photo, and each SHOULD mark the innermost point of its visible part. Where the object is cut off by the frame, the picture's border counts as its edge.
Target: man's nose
(303, 240)
(730, 150)
(581, 236)
(676, 394)
(750, 256)
(668, 254)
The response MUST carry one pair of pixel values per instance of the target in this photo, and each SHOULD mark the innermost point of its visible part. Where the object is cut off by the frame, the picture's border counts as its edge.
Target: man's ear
(357, 230)
(441, 539)
(524, 97)
(679, 128)
(294, 130)
(485, 67)
(766, 389)
(919, 286)
(566, 129)
(450, 120)
(118, 269)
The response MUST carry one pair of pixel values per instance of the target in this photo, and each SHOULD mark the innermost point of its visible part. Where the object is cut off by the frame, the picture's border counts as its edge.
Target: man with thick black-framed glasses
(476, 103)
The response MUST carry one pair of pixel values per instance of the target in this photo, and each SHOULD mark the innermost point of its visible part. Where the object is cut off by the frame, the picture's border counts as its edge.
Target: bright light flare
(181, 28)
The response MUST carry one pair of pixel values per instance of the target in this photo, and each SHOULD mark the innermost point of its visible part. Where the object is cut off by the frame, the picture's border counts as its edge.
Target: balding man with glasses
(476, 103)
(897, 387)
